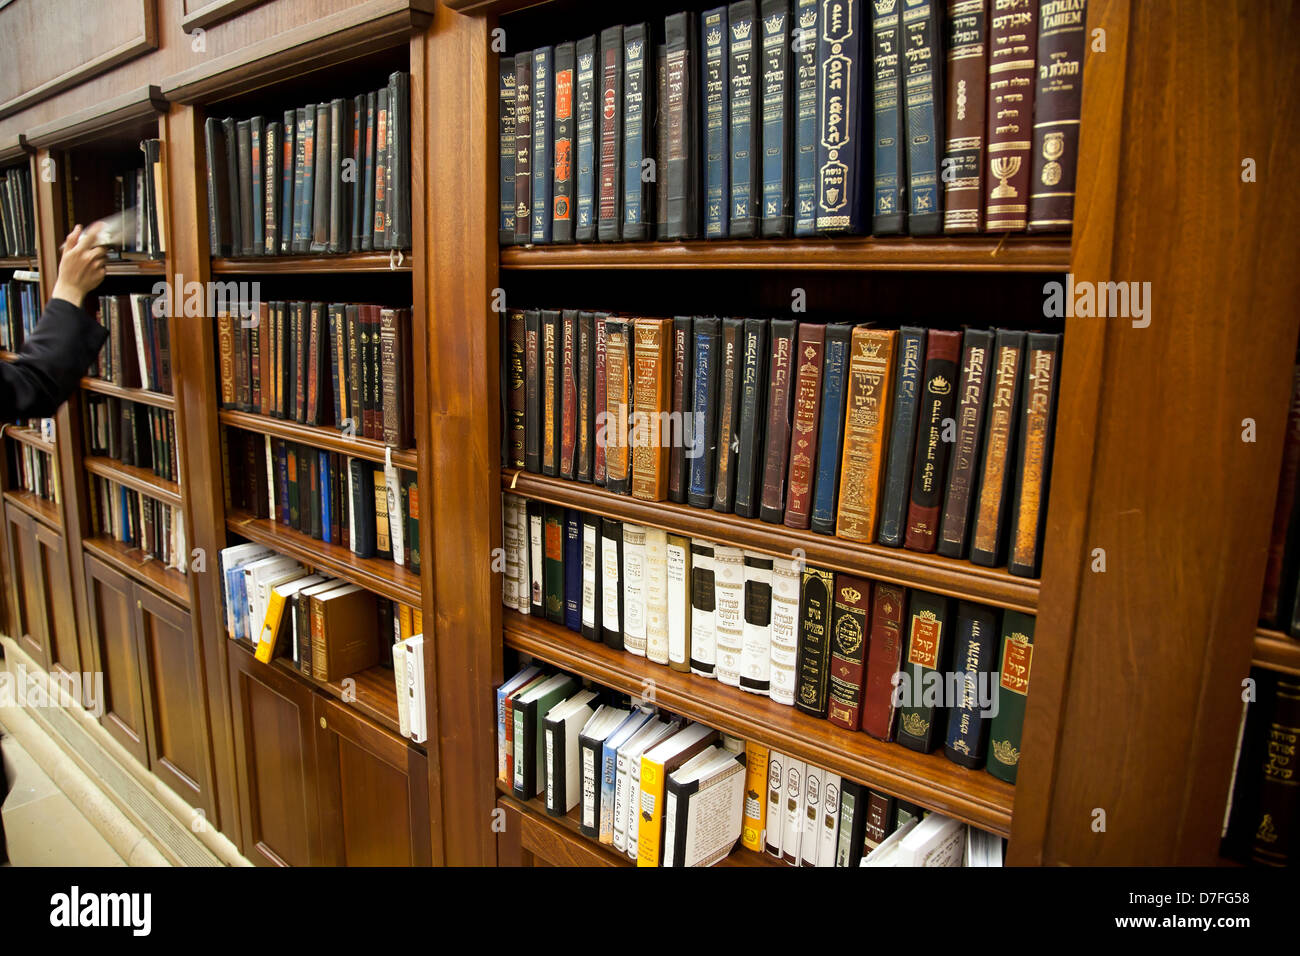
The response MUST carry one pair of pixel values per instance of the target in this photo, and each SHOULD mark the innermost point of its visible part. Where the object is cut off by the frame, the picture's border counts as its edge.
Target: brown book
(618, 406)
(1034, 461)
(343, 632)
(869, 390)
(652, 397)
(315, 389)
(301, 326)
(780, 398)
(807, 414)
(850, 619)
(515, 420)
(568, 382)
(601, 398)
(963, 174)
(226, 352)
(998, 467)
(356, 335)
(1058, 99)
(1013, 44)
(1283, 508)
(383, 540)
(394, 333)
(375, 406)
(552, 390)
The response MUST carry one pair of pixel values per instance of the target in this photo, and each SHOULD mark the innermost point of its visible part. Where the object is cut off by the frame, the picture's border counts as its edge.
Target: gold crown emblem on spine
(714, 37)
(808, 19)
(1004, 753)
(851, 594)
(884, 7)
(773, 23)
(634, 50)
(584, 62)
(741, 30)
(915, 724)
(939, 385)
(871, 349)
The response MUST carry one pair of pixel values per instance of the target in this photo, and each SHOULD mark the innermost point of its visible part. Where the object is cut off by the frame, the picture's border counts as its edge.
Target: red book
(884, 660)
(936, 405)
(850, 615)
(569, 391)
(807, 413)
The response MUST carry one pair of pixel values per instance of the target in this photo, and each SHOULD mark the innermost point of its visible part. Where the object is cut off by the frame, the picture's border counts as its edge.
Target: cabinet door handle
(322, 723)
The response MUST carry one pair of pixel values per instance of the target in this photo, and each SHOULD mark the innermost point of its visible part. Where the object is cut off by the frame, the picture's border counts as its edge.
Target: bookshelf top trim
(283, 265)
(129, 109)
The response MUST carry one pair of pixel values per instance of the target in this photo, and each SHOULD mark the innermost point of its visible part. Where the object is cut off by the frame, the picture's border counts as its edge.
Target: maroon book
(884, 660)
(935, 407)
(803, 436)
(780, 372)
(598, 467)
(850, 616)
(568, 392)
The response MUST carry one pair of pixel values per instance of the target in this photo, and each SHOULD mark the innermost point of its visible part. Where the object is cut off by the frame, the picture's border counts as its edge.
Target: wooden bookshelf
(36, 506)
(296, 265)
(1276, 651)
(18, 262)
(136, 267)
(32, 438)
(328, 439)
(7, 356)
(142, 395)
(137, 479)
(140, 566)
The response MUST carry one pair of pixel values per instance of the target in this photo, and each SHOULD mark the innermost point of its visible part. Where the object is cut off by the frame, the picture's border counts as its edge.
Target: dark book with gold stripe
(1034, 457)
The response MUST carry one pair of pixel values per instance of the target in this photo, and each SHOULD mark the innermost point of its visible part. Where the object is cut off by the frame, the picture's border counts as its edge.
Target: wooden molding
(94, 121)
(214, 12)
(491, 7)
(17, 148)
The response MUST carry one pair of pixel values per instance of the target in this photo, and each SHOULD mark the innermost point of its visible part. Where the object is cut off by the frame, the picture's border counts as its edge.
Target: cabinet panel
(28, 624)
(60, 620)
(111, 600)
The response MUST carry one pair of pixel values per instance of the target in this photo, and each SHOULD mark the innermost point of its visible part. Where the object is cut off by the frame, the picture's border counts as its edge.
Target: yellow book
(656, 764)
(275, 614)
(404, 621)
(417, 620)
(752, 834)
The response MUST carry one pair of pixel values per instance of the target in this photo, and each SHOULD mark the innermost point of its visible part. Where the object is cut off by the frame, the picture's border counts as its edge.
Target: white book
(679, 601)
(634, 788)
(936, 840)
(396, 521)
(792, 832)
(233, 559)
(512, 543)
(611, 598)
(982, 848)
(811, 816)
(601, 724)
(785, 630)
(634, 633)
(729, 621)
(504, 691)
(399, 681)
(270, 477)
(138, 318)
(703, 650)
(886, 851)
(255, 574)
(591, 561)
(535, 565)
(756, 646)
(563, 763)
(656, 595)
(413, 672)
(775, 802)
(830, 819)
(704, 809)
(629, 752)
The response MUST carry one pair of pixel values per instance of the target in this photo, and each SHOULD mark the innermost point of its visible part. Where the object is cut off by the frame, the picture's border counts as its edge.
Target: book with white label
(656, 764)
(775, 803)
(516, 554)
(756, 649)
(609, 769)
(564, 726)
(679, 603)
(829, 830)
(611, 572)
(531, 708)
(704, 809)
(591, 743)
(634, 619)
(656, 596)
(536, 559)
(785, 630)
(811, 816)
(728, 620)
(703, 652)
(792, 834)
(591, 584)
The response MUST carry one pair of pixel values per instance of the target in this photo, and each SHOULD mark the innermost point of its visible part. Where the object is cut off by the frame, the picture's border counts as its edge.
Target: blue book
(842, 165)
(325, 502)
(777, 161)
(830, 431)
(746, 82)
(573, 570)
(543, 108)
(717, 127)
(902, 436)
(638, 116)
(975, 658)
(888, 217)
(704, 409)
(609, 768)
(805, 122)
(922, 85)
(506, 151)
(585, 180)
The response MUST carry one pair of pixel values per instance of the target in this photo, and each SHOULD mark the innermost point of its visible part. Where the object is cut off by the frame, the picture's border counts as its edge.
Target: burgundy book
(598, 468)
(850, 615)
(568, 392)
(808, 356)
(935, 406)
(884, 660)
(968, 83)
(681, 404)
(780, 370)
(1013, 47)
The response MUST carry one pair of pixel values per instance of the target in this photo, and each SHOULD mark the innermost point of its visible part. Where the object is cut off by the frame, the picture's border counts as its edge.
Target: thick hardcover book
(1013, 50)
(552, 344)
(536, 523)
(729, 615)
(902, 434)
(1058, 99)
(705, 368)
(562, 148)
(842, 166)
(543, 107)
(523, 148)
(533, 391)
(516, 417)
(611, 570)
(993, 502)
(592, 586)
(363, 538)
(715, 89)
(1276, 578)
(850, 617)
(809, 361)
(632, 577)
(1034, 452)
(568, 397)
(271, 185)
(247, 212)
(703, 650)
(869, 392)
(977, 348)
(586, 373)
(680, 181)
(652, 393)
(778, 117)
(967, 83)
(752, 418)
(214, 140)
(257, 196)
(601, 395)
(573, 569)
(923, 89)
(781, 368)
(553, 562)
(929, 652)
(357, 190)
(395, 363)
(506, 162)
(937, 403)
(1016, 656)
(230, 133)
(729, 379)
(745, 76)
(1274, 826)
(638, 133)
(884, 657)
(659, 228)
(368, 194)
(585, 169)
(619, 375)
(806, 90)
(682, 403)
(813, 673)
(677, 551)
(304, 168)
(322, 181)
(975, 657)
(609, 196)
(830, 433)
(399, 161)
(756, 651)
(340, 128)
(889, 213)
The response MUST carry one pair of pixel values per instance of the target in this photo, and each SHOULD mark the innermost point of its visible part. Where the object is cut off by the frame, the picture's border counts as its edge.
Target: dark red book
(780, 372)
(569, 392)
(850, 616)
(884, 659)
(809, 351)
(598, 468)
(935, 406)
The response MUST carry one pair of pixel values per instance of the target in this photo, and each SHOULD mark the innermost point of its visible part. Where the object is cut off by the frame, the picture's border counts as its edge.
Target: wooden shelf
(30, 436)
(932, 572)
(7, 356)
(142, 395)
(976, 254)
(18, 262)
(329, 439)
(291, 265)
(138, 479)
(145, 569)
(931, 780)
(374, 574)
(136, 267)
(36, 506)
(1276, 651)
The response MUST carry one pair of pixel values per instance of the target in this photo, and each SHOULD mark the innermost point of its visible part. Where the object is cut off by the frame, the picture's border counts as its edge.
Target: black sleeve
(50, 363)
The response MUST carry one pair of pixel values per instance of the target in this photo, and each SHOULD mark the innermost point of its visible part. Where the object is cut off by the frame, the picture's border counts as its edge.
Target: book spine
(586, 374)
(573, 570)
(609, 208)
(1058, 99)
(997, 469)
(552, 335)
(508, 136)
(633, 580)
(618, 385)
(562, 183)
(889, 214)
(600, 407)
(729, 375)
(929, 651)
(1034, 457)
(682, 404)
(967, 83)
(809, 358)
(884, 656)
(778, 118)
(716, 89)
(1013, 689)
(703, 654)
(358, 187)
(652, 391)
(728, 619)
(869, 393)
(826, 490)
(814, 641)
(678, 560)
(755, 805)
(532, 391)
(756, 651)
(781, 369)
(937, 403)
(970, 415)
(704, 412)
(775, 804)
(553, 541)
(638, 106)
(974, 663)
(322, 181)
(611, 545)
(656, 596)
(848, 651)
(592, 585)
(841, 163)
(902, 435)
(338, 239)
(1274, 836)
(659, 228)
(745, 138)
(516, 419)
(785, 630)
(585, 186)
(805, 117)
(923, 86)
(753, 393)
(523, 148)
(542, 112)
(1013, 49)
(567, 400)
(682, 133)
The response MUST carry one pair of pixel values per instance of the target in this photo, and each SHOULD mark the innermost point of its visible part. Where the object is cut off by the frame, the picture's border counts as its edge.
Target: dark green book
(929, 648)
(1013, 687)
(553, 545)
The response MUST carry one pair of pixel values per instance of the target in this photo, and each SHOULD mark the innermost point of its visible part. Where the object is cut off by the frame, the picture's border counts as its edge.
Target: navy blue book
(325, 508)
(638, 113)
(573, 569)
(975, 658)
(585, 180)
(902, 436)
(923, 83)
(543, 113)
(715, 113)
(778, 118)
(805, 121)
(704, 407)
(506, 157)
(842, 164)
(888, 217)
(746, 90)
(830, 431)
(753, 418)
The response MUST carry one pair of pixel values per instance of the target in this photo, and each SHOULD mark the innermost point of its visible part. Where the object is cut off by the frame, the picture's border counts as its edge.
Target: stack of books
(20, 310)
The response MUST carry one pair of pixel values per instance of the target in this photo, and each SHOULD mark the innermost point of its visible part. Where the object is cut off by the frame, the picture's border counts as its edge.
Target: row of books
(34, 471)
(344, 365)
(17, 218)
(20, 310)
(326, 178)
(139, 197)
(138, 520)
(134, 434)
(138, 351)
(1262, 823)
(1280, 602)
(935, 440)
(778, 117)
(901, 664)
(370, 509)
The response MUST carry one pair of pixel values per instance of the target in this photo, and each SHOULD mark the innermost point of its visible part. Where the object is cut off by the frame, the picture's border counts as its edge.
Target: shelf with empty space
(289, 265)
(931, 780)
(142, 395)
(137, 479)
(145, 569)
(30, 437)
(1276, 651)
(36, 506)
(135, 267)
(329, 439)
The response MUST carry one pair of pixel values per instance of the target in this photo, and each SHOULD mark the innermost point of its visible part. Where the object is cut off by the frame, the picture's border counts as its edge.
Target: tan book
(343, 639)
(650, 436)
(613, 434)
(869, 391)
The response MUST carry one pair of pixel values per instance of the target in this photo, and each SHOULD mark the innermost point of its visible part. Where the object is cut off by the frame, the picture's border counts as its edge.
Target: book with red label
(1034, 457)
(808, 357)
(929, 649)
(850, 618)
(568, 398)
(1015, 660)
(884, 659)
(780, 399)
(869, 391)
(930, 467)
(1013, 47)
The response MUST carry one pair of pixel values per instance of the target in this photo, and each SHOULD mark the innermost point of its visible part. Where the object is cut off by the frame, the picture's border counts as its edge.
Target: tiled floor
(42, 827)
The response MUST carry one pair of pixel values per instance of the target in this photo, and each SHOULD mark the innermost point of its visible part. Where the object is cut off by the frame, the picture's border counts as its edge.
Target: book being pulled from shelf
(17, 214)
(140, 521)
(20, 310)
(132, 433)
(138, 351)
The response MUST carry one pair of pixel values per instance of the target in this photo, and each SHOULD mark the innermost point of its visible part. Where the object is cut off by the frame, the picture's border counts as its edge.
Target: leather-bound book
(997, 468)
(975, 657)
(340, 127)
(368, 188)
(611, 570)
(553, 562)
(1058, 99)
(318, 397)
(804, 76)
(523, 148)
(652, 393)
(843, 167)
(363, 510)
(704, 653)
(1274, 568)
(705, 365)
(745, 75)
(869, 391)
(516, 418)
(533, 391)
(355, 333)
(400, 161)
(778, 117)
(830, 433)
(585, 166)
(1278, 811)
(883, 659)
(552, 390)
(882, 820)
(813, 669)
(1034, 452)
(638, 132)
(609, 197)
(244, 144)
(226, 357)
(299, 316)
(543, 106)
(230, 132)
(337, 356)
(562, 180)
(395, 338)
(753, 418)
(850, 619)
(972, 404)
(929, 651)
(930, 469)
(342, 632)
(1013, 51)
(618, 397)
(923, 89)
(568, 398)
(586, 372)
(214, 142)
(323, 178)
(730, 373)
(889, 214)
(682, 404)
(781, 367)
(600, 408)
(573, 569)
(357, 189)
(967, 82)
(506, 161)
(681, 110)
(715, 90)
(908, 371)
(1016, 654)
(660, 228)
(809, 359)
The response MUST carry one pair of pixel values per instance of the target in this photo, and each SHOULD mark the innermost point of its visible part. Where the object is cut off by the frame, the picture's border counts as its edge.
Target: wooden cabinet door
(374, 792)
(276, 761)
(28, 586)
(173, 696)
(111, 600)
(60, 619)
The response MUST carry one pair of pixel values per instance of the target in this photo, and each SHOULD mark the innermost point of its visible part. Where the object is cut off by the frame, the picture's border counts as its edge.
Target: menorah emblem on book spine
(1004, 167)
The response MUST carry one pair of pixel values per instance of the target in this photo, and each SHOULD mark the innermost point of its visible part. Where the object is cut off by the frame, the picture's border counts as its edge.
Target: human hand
(82, 267)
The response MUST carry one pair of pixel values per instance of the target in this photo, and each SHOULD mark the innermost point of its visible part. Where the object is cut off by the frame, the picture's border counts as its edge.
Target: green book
(553, 584)
(921, 720)
(1013, 688)
(530, 710)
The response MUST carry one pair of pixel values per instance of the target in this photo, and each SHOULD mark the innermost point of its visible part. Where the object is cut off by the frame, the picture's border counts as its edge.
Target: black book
(585, 167)
(379, 227)
(889, 216)
(638, 112)
(843, 126)
(562, 147)
(586, 372)
(368, 176)
(746, 138)
(611, 562)
(924, 91)
(323, 178)
(288, 149)
(533, 391)
(975, 658)
(543, 109)
(753, 415)
(813, 668)
(257, 184)
(908, 368)
(304, 176)
(682, 403)
(231, 136)
(778, 118)
(928, 650)
(731, 365)
(357, 192)
(340, 124)
(853, 820)
(592, 590)
(400, 161)
(271, 187)
(702, 409)
(609, 159)
(247, 212)
(214, 138)
(715, 93)
(523, 148)
(552, 386)
(680, 181)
